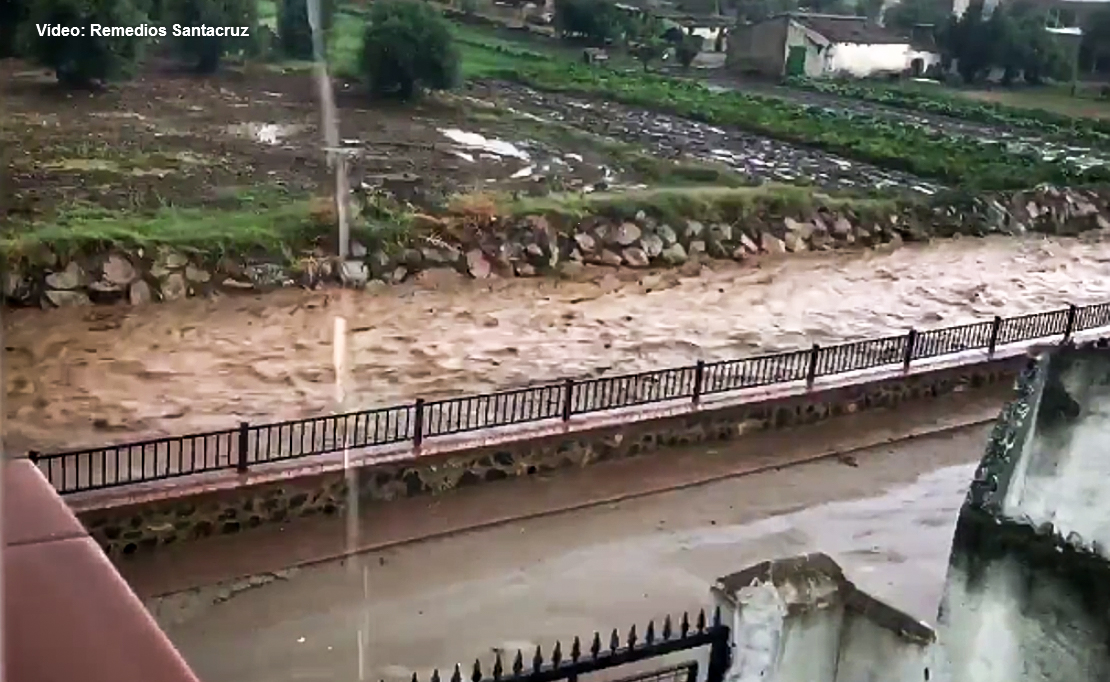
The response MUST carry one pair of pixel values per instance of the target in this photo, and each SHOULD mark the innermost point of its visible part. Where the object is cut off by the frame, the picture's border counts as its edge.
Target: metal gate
(583, 661)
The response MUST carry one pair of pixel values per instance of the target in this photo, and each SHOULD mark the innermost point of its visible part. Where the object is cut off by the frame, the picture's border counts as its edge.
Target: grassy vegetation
(276, 223)
(953, 160)
(210, 231)
(647, 167)
(1088, 103)
(728, 204)
(257, 222)
(1036, 113)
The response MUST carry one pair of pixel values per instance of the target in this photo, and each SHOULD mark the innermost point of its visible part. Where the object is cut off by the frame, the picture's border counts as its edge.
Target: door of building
(796, 61)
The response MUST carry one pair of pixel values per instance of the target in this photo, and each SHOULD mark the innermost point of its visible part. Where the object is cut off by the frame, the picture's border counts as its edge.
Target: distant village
(824, 38)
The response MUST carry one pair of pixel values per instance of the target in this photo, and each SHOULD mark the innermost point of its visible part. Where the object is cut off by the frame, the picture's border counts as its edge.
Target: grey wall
(759, 48)
(801, 620)
(1028, 589)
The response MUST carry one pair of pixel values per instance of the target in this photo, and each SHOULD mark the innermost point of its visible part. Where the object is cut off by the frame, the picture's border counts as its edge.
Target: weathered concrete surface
(888, 521)
(802, 620)
(271, 549)
(1026, 595)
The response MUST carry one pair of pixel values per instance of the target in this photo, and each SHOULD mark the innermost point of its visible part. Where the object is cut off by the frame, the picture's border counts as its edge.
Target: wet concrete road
(888, 520)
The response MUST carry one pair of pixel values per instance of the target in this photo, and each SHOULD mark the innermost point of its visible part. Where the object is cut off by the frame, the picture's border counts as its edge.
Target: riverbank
(485, 235)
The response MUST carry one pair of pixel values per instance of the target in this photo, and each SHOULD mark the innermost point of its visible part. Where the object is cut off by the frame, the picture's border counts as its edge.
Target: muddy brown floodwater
(113, 374)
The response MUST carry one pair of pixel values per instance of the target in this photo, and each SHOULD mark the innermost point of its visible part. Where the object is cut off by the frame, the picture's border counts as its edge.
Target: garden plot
(239, 140)
(759, 158)
(1016, 140)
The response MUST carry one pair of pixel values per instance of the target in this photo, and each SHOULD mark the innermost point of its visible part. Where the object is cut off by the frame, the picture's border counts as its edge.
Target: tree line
(406, 45)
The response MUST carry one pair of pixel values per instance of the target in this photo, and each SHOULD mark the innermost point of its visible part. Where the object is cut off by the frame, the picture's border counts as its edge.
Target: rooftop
(846, 29)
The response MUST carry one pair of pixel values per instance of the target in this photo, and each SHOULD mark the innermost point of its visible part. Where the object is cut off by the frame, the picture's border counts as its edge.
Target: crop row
(954, 160)
(1085, 131)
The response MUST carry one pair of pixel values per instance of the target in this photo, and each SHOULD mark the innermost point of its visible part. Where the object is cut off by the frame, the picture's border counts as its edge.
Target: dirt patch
(758, 158)
(1048, 101)
(172, 139)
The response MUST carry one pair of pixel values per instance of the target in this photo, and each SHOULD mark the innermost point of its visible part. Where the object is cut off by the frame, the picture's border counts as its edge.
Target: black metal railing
(579, 660)
(251, 444)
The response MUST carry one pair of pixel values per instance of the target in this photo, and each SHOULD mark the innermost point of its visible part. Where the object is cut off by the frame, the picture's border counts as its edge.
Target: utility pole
(337, 159)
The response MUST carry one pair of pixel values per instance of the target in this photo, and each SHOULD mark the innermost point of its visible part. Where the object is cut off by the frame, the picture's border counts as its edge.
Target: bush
(408, 46)
(294, 31)
(647, 52)
(205, 52)
(688, 49)
(12, 14)
(84, 60)
(597, 21)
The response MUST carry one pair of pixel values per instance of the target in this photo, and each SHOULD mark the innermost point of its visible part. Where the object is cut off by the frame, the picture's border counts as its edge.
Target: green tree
(293, 29)
(408, 47)
(688, 49)
(829, 6)
(81, 61)
(647, 51)
(12, 15)
(872, 9)
(1020, 45)
(206, 52)
(967, 39)
(1012, 39)
(758, 10)
(597, 21)
(906, 14)
(1096, 38)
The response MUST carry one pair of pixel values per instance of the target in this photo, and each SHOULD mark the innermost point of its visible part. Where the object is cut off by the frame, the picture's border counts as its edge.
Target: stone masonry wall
(123, 531)
(533, 245)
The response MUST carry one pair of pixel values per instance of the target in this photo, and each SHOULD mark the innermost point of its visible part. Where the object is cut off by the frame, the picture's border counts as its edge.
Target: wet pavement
(102, 375)
(887, 516)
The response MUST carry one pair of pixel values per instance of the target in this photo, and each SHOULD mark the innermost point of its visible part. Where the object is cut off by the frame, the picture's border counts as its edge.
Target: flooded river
(99, 375)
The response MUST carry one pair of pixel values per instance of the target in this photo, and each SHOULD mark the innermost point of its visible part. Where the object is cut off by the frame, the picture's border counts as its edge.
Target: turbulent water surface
(97, 375)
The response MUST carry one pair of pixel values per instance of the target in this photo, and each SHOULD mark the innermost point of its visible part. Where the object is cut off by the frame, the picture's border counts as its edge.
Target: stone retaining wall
(622, 234)
(125, 530)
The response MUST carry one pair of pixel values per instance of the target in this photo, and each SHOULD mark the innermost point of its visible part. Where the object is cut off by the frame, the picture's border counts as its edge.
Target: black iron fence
(250, 444)
(580, 662)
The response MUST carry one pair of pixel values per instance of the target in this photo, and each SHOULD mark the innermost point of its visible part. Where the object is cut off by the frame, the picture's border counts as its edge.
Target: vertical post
(568, 399)
(718, 654)
(1073, 312)
(811, 373)
(911, 341)
(244, 446)
(699, 376)
(418, 423)
(1078, 42)
(995, 329)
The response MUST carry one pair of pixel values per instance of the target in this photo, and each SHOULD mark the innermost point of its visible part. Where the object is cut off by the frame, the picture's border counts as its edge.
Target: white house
(822, 45)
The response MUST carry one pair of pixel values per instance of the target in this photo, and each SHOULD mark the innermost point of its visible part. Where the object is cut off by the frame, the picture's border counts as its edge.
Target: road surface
(887, 517)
